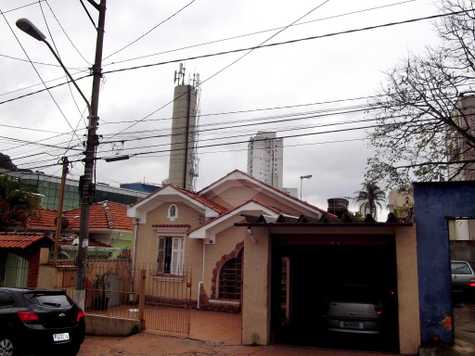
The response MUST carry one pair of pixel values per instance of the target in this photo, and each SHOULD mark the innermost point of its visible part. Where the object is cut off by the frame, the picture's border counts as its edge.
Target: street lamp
(30, 29)
(86, 184)
(308, 176)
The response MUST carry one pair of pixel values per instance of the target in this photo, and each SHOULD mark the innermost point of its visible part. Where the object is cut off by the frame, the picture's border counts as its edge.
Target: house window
(170, 255)
(172, 212)
(230, 278)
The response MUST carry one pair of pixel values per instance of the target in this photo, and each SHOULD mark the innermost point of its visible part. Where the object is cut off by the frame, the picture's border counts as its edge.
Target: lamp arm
(69, 76)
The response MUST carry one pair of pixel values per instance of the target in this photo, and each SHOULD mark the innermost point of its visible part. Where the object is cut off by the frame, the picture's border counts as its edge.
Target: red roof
(104, 215)
(43, 219)
(272, 188)
(209, 203)
(20, 240)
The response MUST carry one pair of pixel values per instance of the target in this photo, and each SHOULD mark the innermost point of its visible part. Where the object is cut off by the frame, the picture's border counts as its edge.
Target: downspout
(134, 252)
(200, 283)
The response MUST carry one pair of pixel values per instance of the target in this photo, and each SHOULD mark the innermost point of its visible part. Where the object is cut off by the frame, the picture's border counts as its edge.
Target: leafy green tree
(369, 198)
(17, 203)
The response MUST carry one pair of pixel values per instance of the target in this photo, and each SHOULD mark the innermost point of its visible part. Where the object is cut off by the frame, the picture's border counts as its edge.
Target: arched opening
(230, 278)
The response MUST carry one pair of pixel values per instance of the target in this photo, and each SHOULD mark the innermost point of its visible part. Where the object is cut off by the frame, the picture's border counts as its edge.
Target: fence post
(141, 291)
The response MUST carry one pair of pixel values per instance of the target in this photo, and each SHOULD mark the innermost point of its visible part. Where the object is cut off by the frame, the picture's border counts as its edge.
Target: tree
(417, 109)
(370, 198)
(17, 203)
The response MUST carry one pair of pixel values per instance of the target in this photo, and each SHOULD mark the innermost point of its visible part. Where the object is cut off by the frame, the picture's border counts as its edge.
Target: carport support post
(141, 291)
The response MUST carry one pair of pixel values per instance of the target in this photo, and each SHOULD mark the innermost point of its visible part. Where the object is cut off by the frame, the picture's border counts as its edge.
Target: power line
(150, 30)
(35, 62)
(59, 55)
(23, 6)
(274, 44)
(247, 52)
(261, 32)
(88, 14)
(27, 128)
(66, 34)
(35, 69)
(35, 143)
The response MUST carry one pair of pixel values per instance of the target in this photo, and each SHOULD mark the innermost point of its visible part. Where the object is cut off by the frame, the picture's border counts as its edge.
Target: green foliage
(17, 203)
(370, 197)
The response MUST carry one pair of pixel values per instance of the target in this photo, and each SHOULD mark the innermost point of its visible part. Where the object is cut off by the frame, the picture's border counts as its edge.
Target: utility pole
(59, 218)
(86, 184)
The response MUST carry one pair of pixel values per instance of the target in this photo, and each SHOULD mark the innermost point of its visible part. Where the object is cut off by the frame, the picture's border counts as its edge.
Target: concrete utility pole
(86, 184)
(59, 217)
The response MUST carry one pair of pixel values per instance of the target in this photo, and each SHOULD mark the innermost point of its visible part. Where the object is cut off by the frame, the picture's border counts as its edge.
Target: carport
(308, 263)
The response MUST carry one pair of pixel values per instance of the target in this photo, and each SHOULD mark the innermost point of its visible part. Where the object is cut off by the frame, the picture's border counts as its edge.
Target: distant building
(458, 146)
(183, 166)
(141, 187)
(291, 191)
(265, 158)
(47, 186)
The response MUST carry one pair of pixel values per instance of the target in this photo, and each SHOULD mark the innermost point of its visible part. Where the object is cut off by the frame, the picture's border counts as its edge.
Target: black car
(39, 321)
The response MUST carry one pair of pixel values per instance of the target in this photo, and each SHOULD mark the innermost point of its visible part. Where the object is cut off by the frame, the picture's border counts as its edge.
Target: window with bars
(230, 278)
(170, 255)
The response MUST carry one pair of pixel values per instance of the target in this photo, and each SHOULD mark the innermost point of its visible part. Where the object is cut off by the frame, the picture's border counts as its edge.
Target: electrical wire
(268, 45)
(35, 62)
(146, 33)
(259, 32)
(88, 14)
(66, 34)
(36, 70)
(23, 6)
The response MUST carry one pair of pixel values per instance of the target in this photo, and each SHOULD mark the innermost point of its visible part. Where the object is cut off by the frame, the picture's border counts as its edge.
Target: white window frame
(177, 255)
(169, 216)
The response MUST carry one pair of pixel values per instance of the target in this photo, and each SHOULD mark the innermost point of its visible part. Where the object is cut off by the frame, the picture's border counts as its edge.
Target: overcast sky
(326, 69)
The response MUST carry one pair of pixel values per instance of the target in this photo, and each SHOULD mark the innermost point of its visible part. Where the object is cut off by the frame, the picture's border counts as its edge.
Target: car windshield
(50, 300)
(355, 294)
(460, 268)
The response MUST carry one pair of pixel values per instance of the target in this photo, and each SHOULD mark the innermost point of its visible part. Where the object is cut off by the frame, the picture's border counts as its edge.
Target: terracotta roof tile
(43, 219)
(102, 215)
(19, 240)
(209, 203)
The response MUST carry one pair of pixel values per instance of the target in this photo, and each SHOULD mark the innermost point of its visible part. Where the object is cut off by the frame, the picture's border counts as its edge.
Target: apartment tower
(265, 158)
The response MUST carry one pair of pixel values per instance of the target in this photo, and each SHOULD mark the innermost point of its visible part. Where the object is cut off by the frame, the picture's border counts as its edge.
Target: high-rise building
(265, 158)
(459, 147)
(183, 167)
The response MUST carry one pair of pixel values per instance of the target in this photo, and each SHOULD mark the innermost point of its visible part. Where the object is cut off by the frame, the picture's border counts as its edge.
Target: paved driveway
(146, 344)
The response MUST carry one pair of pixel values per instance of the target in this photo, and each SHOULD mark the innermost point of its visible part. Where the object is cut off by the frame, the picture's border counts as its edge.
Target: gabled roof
(105, 215)
(211, 208)
(251, 205)
(237, 174)
(43, 219)
(21, 240)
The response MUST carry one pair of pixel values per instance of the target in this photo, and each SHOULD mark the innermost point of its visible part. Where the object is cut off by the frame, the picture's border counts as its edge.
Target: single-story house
(246, 246)
(20, 255)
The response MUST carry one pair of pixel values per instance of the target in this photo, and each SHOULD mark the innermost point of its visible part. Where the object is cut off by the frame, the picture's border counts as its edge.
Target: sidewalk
(146, 344)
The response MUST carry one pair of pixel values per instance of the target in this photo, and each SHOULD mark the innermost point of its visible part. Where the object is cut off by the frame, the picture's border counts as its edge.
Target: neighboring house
(108, 224)
(20, 258)
(243, 245)
(109, 227)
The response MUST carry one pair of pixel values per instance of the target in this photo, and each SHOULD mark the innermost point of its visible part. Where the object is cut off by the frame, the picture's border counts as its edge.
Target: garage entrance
(333, 291)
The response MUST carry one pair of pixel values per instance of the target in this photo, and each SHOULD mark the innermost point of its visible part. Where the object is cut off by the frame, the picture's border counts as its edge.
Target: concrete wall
(408, 293)
(108, 326)
(434, 202)
(256, 289)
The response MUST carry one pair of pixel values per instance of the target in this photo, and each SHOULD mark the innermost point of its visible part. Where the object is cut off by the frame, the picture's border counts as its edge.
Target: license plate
(352, 324)
(61, 337)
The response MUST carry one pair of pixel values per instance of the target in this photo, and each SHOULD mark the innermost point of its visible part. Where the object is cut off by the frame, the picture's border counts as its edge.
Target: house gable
(170, 195)
(237, 187)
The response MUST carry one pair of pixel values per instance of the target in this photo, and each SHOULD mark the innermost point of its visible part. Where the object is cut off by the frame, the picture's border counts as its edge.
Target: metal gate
(167, 308)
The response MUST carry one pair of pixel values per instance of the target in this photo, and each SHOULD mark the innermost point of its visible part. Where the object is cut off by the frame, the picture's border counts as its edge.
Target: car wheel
(7, 347)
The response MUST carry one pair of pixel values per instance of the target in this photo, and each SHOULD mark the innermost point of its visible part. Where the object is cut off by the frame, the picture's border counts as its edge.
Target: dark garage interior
(335, 291)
